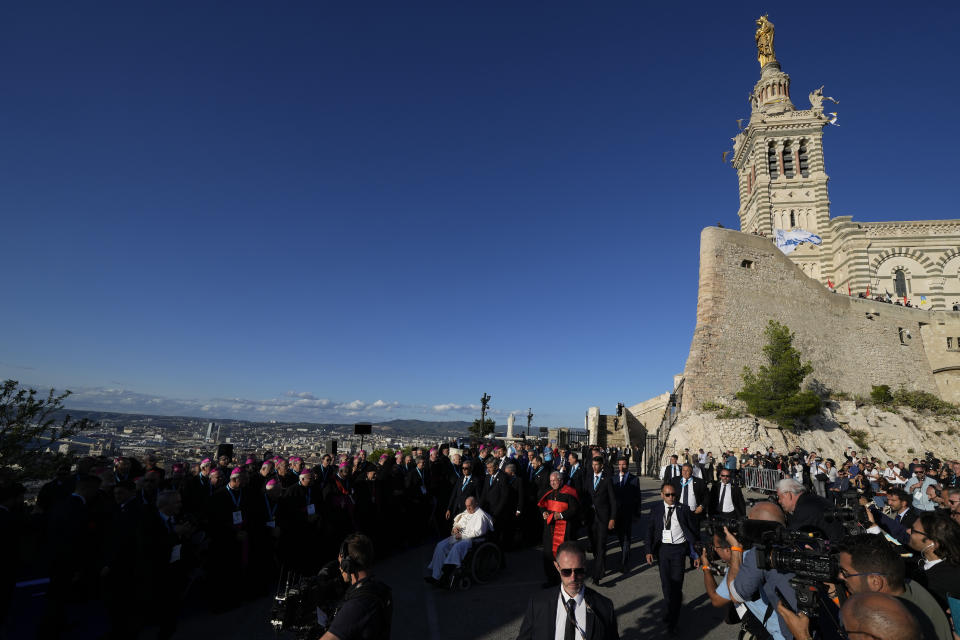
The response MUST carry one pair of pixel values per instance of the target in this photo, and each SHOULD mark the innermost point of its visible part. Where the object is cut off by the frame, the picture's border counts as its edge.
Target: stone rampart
(745, 281)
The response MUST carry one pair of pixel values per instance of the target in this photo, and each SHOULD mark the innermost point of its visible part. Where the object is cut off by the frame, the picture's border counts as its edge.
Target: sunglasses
(669, 495)
(579, 571)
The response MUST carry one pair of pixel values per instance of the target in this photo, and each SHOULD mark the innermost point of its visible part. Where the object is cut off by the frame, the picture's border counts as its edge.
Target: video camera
(305, 605)
(848, 511)
(805, 555)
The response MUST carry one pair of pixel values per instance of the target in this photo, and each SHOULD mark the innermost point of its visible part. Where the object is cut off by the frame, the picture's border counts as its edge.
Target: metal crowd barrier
(760, 479)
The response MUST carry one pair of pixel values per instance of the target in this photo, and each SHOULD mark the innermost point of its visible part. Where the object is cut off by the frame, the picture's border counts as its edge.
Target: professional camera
(848, 511)
(305, 606)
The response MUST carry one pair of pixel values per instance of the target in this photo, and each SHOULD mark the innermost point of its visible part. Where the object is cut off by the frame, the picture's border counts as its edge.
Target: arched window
(900, 283)
(793, 219)
(804, 160)
(772, 164)
(788, 160)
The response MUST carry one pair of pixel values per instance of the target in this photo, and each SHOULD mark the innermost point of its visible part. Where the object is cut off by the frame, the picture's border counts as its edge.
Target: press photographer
(807, 511)
(367, 609)
(757, 589)
(871, 565)
(342, 602)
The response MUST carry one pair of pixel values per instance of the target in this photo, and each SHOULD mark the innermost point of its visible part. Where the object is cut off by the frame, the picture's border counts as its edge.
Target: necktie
(675, 472)
(622, 477)
(491, 481)
(570, 630)
(596, 481)
(723, 493)
(898, 518)
(666, 525)
(465, 481)
(686, 493)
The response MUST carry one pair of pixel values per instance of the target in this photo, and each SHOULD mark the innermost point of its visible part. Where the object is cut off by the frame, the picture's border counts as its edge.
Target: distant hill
(398, 425)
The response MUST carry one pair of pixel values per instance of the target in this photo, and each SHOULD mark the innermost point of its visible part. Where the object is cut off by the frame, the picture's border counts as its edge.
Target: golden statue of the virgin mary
(764, 38)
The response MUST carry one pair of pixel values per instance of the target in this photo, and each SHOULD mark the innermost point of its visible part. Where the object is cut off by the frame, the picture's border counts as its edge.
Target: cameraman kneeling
(367, 606)
(759, 589)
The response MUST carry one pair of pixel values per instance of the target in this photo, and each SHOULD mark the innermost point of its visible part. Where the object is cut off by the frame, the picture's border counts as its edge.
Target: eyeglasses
(844, 574)
(669, 495)
(579, 571)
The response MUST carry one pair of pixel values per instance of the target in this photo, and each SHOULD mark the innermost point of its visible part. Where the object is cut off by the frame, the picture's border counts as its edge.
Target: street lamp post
(484, 404)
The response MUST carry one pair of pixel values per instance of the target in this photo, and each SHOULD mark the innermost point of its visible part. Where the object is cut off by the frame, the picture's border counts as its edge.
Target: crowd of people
(101, 526)
(892, 530)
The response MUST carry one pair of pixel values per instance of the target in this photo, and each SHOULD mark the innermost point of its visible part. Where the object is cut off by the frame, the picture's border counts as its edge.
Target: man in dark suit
(585, 613)
(672, 470)
(466, 486)
(626, 489)
(669, 538)
(691, 495)
(493, 495)
(600, 510)
(726, 499)
(537, 478)
(575, 473)
(904, 515)
(806, 510)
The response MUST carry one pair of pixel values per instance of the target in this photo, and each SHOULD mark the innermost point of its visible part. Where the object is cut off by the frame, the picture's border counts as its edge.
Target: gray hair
(789, 485)
(555, 473)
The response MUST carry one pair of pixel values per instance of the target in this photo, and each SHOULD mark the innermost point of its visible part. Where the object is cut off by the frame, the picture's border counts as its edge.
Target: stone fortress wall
(853, 343)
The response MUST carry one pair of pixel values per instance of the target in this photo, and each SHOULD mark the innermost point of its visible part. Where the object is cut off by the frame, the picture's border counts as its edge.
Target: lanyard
(466, 481)
(271, 511)
(236, 499)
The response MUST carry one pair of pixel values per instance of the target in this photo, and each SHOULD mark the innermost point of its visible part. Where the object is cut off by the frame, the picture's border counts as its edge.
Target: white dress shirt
(581, 615)
(673, 535)
(691, 498)
(726, 490)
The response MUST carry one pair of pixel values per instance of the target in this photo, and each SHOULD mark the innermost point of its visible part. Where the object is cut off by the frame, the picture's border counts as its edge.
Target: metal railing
(760, 479)
(670, 415)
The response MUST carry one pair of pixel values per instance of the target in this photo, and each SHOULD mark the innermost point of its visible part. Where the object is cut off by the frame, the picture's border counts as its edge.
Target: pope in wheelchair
(468, 527)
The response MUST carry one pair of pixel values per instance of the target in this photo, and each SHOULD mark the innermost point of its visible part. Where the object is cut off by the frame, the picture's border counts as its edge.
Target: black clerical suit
(627, 491)
(540, 619)
(716, 501)
(600, 507)
(670, 556)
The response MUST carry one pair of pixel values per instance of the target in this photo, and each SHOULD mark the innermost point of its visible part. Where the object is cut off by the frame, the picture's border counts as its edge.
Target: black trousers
(598, 546)
(671, 558)
(624, 531)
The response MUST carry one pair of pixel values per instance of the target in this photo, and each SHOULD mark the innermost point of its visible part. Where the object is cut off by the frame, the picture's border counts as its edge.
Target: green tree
(30, 424)
(774, 390)
(479, 432)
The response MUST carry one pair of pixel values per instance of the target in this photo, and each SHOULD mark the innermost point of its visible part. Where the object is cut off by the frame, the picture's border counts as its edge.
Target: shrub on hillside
(881, 394)
(774, 390)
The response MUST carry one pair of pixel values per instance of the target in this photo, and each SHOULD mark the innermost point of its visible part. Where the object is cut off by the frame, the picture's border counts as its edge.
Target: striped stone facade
(782, 180)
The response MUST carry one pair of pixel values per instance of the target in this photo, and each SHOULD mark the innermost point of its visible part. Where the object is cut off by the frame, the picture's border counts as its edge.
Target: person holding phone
(937, 539)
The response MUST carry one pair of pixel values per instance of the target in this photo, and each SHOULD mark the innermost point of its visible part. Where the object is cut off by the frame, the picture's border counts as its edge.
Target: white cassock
(452, 551)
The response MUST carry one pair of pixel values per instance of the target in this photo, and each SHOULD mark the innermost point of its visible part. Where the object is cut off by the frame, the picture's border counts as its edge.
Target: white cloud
(294, 406)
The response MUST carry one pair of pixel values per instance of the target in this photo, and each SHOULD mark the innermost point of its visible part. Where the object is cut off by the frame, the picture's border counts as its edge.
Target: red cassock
(559, 501)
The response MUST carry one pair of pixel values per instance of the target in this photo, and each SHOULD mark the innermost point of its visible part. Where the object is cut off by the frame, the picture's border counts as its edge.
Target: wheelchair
(481, 565)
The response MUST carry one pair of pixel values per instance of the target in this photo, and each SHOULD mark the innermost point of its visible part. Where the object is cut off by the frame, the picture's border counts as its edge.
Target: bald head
(768, 512)
(880, 615)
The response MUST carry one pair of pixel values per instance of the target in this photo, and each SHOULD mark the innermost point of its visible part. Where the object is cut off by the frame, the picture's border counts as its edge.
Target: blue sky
(333, 211)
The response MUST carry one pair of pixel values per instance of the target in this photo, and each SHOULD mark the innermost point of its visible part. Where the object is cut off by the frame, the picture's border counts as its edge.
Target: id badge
(311, 509)
(175, 553)
(237, 517)
(271, 523)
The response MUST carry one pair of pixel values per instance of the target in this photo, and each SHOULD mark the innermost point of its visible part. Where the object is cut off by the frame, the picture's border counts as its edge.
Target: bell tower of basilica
(778, 157)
